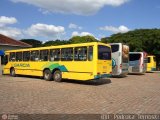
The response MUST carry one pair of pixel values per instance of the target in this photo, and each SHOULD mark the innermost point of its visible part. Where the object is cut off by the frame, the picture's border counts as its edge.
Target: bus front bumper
(153, 69)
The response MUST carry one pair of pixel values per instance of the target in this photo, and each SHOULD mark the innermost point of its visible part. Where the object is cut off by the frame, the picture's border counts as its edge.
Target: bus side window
(35, 55)
(55, 55)
(26, 55)
(44, 55)
(19, 56)
(90, 53)
(12, 56)
(80, 54)
(67, 54)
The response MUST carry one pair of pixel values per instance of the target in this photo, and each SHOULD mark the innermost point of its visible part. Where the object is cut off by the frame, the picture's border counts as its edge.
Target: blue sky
(62, 19)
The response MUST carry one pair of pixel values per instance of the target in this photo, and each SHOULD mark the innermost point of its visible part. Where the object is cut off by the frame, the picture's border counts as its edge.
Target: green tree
(147, 40)
(139, 40)
(33, 42)
(56, 42)
(82, 39)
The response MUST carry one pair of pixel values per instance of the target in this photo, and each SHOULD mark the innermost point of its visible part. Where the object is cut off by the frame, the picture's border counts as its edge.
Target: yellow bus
(151, 64)
(85, 61)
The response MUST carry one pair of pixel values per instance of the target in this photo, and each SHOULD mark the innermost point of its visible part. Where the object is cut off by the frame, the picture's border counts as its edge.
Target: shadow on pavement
(119, 77)
(90, 82)
(140, 74)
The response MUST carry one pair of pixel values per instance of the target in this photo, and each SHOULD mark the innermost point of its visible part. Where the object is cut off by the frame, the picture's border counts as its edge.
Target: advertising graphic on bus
(120, 59)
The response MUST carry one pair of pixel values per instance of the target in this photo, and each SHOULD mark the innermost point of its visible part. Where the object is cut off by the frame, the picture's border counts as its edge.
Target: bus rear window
(154, 58)
(115, 48)
(148, 60)
(134, 57)
(104, 52)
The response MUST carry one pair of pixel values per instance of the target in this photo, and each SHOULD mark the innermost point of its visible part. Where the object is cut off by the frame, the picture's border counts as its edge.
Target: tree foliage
(147, 40)
(56, 42)
(73, 40)
(33, 42)
(82, 39)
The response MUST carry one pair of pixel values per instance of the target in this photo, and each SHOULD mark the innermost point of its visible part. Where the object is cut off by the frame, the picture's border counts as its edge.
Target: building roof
(5, 40)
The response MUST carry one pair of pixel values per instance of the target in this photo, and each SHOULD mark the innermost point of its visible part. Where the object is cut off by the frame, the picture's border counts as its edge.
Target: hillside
(147, 40)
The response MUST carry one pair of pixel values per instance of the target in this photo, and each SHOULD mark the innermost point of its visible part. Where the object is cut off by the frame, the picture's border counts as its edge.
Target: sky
(62, 19)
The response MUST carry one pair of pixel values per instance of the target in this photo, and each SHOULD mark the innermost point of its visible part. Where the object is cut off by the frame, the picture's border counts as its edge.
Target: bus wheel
(47, 75)
(57, 76)
(12, 72)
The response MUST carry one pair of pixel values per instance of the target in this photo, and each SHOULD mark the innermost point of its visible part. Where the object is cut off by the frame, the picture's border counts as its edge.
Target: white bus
(120, 59)
(137, 62)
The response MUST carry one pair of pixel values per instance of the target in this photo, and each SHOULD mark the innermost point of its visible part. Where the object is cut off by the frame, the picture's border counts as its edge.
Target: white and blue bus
(120, 59)
(137, 62)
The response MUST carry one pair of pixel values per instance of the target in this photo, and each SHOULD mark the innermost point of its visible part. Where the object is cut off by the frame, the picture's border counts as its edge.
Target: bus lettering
(21, 65)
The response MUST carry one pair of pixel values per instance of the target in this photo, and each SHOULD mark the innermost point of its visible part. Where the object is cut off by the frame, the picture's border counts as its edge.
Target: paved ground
(132, 94)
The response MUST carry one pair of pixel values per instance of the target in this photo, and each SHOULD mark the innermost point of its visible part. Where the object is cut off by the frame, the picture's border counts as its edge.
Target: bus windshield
(134, 57)
(104, 53)
(115, 48)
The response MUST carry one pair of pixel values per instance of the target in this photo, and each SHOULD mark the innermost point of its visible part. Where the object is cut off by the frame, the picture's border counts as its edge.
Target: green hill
(147, 40)
(139, 40)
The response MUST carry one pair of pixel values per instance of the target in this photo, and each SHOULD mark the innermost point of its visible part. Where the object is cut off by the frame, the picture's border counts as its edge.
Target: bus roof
(115, 43)
(60, 46)
(136, 52)
(151, 56)
(142, 53)
(118, 44)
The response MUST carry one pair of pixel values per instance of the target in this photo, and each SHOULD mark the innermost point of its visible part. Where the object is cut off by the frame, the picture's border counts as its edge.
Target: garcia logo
(21, 65)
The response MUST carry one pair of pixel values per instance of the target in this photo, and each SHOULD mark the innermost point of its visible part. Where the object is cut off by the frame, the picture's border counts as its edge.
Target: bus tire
(12, 72)
(57, 76)
(47, 75)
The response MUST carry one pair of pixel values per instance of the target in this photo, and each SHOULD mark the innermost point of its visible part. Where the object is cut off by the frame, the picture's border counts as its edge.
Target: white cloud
(43, 11)
(75, 33)
(74, 26)
(36, 30)
(11, 32)
(79, 7)
(120, 29)
(7, 20)
(44, 30)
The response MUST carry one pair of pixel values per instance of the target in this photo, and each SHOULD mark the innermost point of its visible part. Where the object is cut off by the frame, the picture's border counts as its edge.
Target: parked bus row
(85, 61)
(125, 62)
